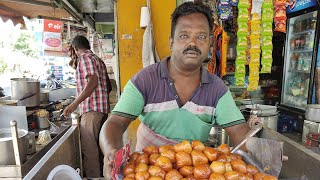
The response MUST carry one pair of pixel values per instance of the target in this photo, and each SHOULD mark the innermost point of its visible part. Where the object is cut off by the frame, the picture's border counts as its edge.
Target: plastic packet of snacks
(242, 40)
(266, 65)
(239, 79)
(241, 53)
(225, 11)
(120, 160)
(240, 67)
(244, 3)
(255, 43)
(266, 28)
(243, 14)
(267, 14)
(242, 27)
(267, 41)
(254, 70)
(234, 2)
(253, 83)
(266, 53)
(280, 24)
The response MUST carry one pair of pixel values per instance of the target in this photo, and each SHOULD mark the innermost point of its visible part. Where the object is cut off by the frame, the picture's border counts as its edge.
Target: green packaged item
(266, 66)
(242, 27)
(239, 79)
(240, 67)
(243, 14)
(266, 53)
(267, 14)
(267, 41)
(242, 41)
(266, 28)
(243, 4)
(241, 54)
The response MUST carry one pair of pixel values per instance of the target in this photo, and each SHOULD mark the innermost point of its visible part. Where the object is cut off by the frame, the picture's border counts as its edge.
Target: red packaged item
(280, 24)
(120, 159)
(280, 12)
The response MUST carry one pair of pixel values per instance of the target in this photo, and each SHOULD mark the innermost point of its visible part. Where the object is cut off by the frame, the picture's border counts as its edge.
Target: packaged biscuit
(225, 11)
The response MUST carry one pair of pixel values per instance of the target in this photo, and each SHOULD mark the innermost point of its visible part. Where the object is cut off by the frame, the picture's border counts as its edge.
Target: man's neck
(80, 51)
(176, 72)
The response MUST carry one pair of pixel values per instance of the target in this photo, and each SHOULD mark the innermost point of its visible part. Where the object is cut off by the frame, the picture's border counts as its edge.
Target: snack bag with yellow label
(253, 83)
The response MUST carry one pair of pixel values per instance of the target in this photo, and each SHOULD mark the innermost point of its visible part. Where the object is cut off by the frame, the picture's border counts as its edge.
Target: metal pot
(8, 102)
(6, 147)
(221, 136)
(313, 112)
(26, 90)
(270, 121)
(44, 95)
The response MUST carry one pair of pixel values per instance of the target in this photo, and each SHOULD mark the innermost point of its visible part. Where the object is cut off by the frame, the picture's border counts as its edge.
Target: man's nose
(193, 42)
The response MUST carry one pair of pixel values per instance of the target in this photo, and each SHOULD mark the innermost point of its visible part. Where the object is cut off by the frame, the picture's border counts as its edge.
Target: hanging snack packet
(234, 2)
(266, 66)
(242, 41)
(280, 12)
(243, 3)
(256, 17)
(225, 11)
(242, 27)
(241, 54)
(266, 28)
(255, 27)
(254, 70)
(253, 83)
(280, 24)
(255, 43)
(243, 14)
(267, 14)
(239, 79)
(267, 41)
(266, 53)
(256, 6)
(240, 67)
(268, 2)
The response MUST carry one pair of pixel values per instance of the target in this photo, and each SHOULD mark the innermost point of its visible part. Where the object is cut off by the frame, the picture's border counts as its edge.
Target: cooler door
(298, 60)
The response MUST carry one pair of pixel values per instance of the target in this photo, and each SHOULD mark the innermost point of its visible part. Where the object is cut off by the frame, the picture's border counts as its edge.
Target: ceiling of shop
(94, 6)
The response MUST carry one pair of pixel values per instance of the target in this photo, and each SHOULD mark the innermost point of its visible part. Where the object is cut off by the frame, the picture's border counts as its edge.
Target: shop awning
(16, 9)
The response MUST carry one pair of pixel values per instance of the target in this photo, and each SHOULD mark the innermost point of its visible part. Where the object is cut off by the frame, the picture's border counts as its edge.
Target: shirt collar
(86, 52)
(164, 72)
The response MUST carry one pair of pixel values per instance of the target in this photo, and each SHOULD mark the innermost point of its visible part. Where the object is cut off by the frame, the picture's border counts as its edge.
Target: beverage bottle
(292, 44)
(302, 42)
(300, 62)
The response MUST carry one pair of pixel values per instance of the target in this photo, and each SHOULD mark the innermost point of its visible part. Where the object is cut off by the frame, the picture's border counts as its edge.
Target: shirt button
(176, 96)
(171, 84)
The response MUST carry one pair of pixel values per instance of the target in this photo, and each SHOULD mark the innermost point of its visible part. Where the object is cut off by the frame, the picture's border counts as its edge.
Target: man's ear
(170, 43)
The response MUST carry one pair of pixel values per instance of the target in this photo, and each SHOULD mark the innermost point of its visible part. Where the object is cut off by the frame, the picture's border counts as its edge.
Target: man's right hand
(108, 162)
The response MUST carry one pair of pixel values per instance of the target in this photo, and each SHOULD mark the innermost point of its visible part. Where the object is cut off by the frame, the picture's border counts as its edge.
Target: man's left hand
(69, 109)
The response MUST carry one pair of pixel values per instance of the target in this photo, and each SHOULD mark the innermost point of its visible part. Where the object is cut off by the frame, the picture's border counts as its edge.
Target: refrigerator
(300, 59)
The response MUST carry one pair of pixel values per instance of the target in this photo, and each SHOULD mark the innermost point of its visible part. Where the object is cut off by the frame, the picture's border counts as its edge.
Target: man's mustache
(191, 48)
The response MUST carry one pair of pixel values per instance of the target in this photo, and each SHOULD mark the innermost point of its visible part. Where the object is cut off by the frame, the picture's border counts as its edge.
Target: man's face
(191, 41)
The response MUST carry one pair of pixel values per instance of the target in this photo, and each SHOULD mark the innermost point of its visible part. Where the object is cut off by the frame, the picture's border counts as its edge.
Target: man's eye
(202, 37)
(183, 36)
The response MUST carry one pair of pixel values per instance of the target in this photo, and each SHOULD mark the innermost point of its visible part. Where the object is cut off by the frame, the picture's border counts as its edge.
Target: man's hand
(69, 109)
(253, 121)
(108, 162)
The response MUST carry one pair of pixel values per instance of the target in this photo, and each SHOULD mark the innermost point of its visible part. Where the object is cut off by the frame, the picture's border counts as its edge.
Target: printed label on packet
(120, 159)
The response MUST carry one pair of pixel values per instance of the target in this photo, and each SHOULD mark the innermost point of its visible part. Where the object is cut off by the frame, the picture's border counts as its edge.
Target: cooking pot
(26, 90)
(6, 147)
(313, 112)
(44, 95)
(270, 121)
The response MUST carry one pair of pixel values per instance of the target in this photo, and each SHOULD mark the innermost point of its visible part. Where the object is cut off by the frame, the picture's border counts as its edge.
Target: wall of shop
(130, 37)
(105, 28)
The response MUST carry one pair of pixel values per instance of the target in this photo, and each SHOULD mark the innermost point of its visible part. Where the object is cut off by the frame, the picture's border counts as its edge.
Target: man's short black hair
(190, 8)
(80, 42)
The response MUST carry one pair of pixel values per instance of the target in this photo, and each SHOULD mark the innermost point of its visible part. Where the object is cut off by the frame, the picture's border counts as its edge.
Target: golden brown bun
(218, 167)
(231, 175)
(128, 169)
(131, 175)
(164, 163)
(161, 148)
(133, 157)
(169, 154)
(197, 145)
(258, 176)
(186, 171)
(143, 158)
(211, 153)
(249, 176)
(184, 146)
(202, 171)
(183, 159)
(191, 177)
(173, 175)
(150, 150)
(155, 178)
(228, 167)
(129, 178)
(224, 149)
(224, 158)
(269, 177)
(215, 176)
(143, 175)
(252, 169)
(239, 166)
(153, 158)
(156, 171)
(141, 167)
(242, 176)
(198, 158)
